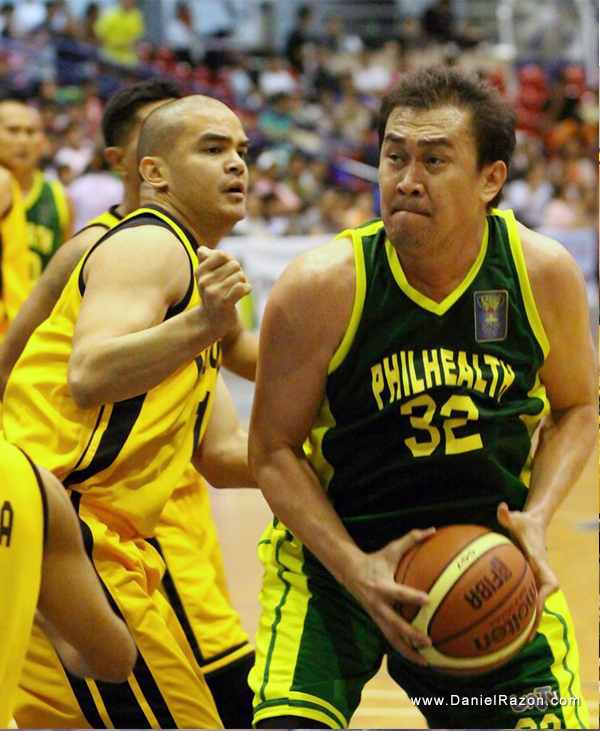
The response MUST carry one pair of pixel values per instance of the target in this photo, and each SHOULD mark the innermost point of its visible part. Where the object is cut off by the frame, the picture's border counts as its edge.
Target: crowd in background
(309, 110)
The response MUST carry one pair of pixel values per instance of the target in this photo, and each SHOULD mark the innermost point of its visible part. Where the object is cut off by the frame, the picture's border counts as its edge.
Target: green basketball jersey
(47, 214)
(430, 407)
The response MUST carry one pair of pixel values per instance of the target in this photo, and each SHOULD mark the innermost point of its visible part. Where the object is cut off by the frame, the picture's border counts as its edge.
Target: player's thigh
(316, 648)
(539, 688)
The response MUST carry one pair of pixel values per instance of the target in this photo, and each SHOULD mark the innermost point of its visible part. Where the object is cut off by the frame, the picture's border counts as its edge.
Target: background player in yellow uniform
(43, 563)
(142, 376)
(47, 207)
(14, 254)
(185, 535)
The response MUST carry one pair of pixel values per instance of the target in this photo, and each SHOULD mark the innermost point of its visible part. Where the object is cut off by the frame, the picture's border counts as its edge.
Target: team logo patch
(491, 315)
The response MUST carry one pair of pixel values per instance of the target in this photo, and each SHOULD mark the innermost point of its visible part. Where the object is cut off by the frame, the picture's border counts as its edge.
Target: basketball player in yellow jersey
(186, 536)
(43, 563)
(14, 254)
(132, 334)
(47, 206)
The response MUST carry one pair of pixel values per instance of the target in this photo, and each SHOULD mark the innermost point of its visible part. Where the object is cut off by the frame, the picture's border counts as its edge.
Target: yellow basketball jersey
(108, 219)
(14, 269)
(22, 509)
(124, 458)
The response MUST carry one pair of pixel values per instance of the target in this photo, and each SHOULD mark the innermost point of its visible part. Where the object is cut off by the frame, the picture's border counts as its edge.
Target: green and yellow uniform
(427, 419)
(22, 526)
(122, 462)
(47, 212)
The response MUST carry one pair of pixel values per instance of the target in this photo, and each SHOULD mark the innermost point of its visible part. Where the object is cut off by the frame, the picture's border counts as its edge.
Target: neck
(205, 235)
(25, 178)
(131, 199)
(436, 268)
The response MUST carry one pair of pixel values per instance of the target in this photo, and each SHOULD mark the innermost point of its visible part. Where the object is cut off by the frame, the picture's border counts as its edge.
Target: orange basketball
(482, 598)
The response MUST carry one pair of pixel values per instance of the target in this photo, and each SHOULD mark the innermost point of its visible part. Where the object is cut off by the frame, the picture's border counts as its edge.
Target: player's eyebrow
(215, 137)
(395, 138)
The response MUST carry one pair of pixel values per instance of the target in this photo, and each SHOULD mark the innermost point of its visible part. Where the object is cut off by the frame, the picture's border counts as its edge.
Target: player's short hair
(492, 118)
(120, 112)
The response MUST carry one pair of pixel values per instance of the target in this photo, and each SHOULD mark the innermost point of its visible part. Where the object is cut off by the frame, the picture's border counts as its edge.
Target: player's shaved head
(10, 107)
(165, 125)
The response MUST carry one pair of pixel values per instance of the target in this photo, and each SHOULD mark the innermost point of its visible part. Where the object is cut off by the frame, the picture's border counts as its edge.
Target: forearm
(296, 497)
(118, 368)
(226, 464)
(240, 353)
(566, 442)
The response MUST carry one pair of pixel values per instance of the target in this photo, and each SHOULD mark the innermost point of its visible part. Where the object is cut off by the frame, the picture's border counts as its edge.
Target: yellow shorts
(166, 689)
(194, 581)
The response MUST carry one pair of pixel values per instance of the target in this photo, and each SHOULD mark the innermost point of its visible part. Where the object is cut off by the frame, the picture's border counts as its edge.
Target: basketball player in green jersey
(47, 206)
(417, 354)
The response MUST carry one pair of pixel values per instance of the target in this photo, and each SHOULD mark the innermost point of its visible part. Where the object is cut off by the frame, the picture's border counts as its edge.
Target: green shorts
(317, 648)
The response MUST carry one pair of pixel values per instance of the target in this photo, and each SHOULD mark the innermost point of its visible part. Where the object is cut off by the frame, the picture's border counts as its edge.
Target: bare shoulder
(321, 276)
(548, 262)
(146, 247)
(556, 280)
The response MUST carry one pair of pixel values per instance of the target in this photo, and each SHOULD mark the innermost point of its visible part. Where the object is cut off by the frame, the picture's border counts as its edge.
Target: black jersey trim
(121, 422)
(149, 219)
(121, 704)
(43, 495)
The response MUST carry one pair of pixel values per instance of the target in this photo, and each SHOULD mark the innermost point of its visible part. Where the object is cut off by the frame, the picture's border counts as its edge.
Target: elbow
(119, 666)
(84, 389)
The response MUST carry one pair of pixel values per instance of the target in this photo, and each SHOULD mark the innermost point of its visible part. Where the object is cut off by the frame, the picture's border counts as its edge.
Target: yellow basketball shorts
(166, 689)
(317, 648)
(194, 581)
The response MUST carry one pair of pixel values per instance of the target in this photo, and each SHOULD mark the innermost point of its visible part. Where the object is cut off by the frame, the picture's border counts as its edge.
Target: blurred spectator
(182, 37)
(29, 16)
(95, 191)
(352, 118)
(566, 209)
(85, 29)
(337, 40)
(439, 23)
(530, 196)
(119, 29)
(7, 20)
(326, 216)
(297, 39)
(58, 22)
(269, 181)
(360, 210)
(77, 152)
(276, 78)
(371, 76)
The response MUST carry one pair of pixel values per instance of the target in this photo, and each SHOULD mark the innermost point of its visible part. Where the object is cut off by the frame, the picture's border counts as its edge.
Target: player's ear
(493, 178)
(153, 171)
(114, 157)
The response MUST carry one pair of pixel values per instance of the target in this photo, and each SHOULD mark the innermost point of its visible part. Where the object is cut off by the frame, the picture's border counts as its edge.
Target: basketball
(482, 598)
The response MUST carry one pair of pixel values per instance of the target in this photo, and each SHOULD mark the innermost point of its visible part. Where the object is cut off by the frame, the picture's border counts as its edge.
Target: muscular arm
(40, 303)
(122, 346)
(304, 322)
(90, 638)
(222, 456)
(569, 375)
(240, 352)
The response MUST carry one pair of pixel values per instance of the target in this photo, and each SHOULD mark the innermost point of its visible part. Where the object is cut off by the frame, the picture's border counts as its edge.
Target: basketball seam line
(481, 619)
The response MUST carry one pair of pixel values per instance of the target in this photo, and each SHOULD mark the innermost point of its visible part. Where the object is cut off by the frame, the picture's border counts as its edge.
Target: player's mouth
(237, 190)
